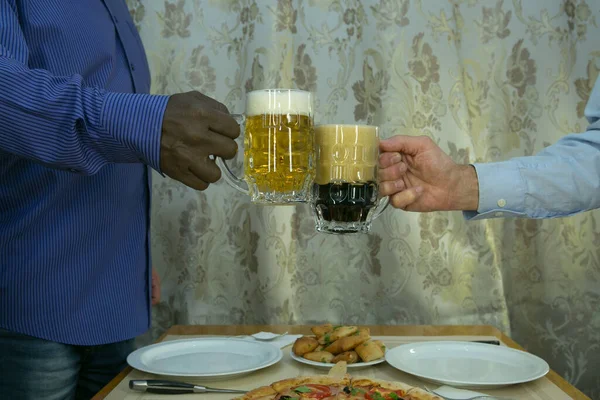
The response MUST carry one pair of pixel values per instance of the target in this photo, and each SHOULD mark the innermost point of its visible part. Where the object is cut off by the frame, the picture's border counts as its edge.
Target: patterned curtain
(487, 80)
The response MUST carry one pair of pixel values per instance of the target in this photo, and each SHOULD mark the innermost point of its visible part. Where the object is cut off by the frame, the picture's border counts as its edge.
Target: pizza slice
(311, 387)
(419, 394)
(304, 387)
(337, 385)
(373, 389)
(261, 393)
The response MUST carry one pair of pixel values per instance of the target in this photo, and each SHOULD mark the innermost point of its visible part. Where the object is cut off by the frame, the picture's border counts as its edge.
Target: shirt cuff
(135, 120)
(501, 191)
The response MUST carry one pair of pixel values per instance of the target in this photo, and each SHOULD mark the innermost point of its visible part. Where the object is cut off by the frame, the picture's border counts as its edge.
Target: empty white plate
(321, 365)
(205, 357)
(467, 364)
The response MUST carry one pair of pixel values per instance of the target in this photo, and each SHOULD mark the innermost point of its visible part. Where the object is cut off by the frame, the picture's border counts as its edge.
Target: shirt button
(498, 214)
(501, 203)
(132, 66)
(73, 170)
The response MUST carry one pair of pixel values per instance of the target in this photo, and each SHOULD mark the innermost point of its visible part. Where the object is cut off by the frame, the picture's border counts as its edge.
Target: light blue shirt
(561, 180)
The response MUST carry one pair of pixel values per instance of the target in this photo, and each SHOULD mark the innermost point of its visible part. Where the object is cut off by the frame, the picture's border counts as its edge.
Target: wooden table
(379, 330)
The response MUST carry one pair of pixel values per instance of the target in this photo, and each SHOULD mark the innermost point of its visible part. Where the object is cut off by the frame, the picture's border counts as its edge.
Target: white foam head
(279, 101)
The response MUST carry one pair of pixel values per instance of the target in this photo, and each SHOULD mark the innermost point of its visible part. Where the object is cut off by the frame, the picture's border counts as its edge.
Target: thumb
(406, 144)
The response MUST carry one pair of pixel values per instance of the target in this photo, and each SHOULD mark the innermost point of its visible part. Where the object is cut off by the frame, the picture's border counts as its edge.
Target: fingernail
(399, 184)
(419, 189)
(396, 159)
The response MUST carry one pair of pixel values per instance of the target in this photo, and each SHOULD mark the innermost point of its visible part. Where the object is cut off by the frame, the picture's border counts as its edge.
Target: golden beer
(279, 150)
(279, 146)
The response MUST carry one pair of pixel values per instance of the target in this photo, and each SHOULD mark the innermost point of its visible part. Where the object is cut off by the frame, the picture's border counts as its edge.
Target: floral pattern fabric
(487, 80)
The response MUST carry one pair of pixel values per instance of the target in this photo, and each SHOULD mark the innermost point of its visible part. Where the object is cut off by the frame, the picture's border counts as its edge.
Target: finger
(224, 124)
(155, 289)
(220, 145)
(389, 158)
(406, 144)
(392, 173)
(391, 187)
(210, 101)
(206, 170)
(404, 199)
(155, 278)
(191, 180)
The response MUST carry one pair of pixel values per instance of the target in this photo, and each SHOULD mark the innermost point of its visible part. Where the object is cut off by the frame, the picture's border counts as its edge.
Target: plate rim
(135, 355)
(329, 365)
(474, 344)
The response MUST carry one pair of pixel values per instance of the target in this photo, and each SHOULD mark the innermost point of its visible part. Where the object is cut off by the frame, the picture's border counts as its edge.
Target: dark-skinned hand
(195, 130)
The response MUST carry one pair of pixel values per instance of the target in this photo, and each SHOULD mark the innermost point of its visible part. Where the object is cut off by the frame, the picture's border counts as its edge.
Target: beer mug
(278, 132)
(346, 189)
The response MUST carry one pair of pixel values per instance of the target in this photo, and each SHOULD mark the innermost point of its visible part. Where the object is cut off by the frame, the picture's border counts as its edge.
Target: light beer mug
(346, 189)
(278, 132)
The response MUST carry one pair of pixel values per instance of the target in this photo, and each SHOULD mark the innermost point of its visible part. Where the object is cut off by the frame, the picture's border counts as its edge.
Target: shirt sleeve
(561, 180)
(62, 123)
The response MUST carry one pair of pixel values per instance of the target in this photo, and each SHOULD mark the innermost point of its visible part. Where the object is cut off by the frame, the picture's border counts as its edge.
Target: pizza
(337, 385)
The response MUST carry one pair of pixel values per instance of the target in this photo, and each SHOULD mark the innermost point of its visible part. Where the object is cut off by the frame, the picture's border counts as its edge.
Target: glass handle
(383, 203)
(231, 178)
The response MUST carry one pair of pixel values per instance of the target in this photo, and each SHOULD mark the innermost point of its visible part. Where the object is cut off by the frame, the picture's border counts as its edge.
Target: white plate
(358, 365)
(212, 358)
(467, 364)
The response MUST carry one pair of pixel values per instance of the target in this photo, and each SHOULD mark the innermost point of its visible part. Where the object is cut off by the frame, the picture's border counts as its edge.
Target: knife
(173, 387)
(496, 342)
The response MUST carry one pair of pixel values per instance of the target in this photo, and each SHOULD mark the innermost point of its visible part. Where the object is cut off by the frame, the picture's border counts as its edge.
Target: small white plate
(316, 364)
(211, 358)
(467, 364)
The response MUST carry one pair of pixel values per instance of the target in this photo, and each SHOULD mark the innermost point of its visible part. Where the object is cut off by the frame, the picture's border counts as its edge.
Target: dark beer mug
(346, 190)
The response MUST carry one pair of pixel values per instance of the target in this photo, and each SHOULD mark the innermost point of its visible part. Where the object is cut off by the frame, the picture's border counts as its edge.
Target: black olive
(347, 390)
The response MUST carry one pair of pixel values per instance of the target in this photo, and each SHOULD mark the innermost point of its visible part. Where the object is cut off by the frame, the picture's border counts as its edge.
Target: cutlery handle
(161, 387)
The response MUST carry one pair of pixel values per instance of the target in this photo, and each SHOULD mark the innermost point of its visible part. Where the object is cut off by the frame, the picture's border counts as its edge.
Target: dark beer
(345, 191)
(345, 202)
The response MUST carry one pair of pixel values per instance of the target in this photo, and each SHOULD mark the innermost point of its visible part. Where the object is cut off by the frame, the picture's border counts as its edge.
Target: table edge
(376, 330)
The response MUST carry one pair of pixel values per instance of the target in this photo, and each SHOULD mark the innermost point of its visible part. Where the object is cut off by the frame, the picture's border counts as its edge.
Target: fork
(478, 397)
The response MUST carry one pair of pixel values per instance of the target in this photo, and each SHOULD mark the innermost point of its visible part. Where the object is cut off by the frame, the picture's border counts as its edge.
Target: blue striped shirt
(77, 134)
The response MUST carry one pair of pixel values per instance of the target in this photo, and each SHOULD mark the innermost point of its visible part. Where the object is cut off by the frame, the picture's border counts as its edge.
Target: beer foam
(279, 101)
(346, 153)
